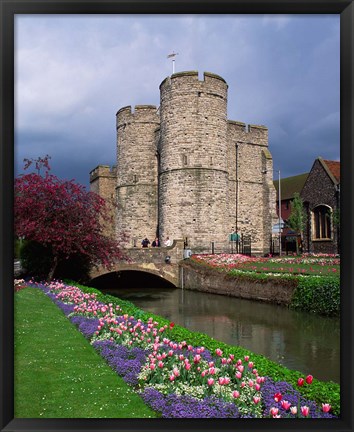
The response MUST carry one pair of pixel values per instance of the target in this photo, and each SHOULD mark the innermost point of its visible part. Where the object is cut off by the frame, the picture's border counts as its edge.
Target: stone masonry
(185, 171)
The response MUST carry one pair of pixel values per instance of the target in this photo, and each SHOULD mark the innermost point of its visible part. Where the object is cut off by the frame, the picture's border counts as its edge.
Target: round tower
(137, 173)
(193, 170)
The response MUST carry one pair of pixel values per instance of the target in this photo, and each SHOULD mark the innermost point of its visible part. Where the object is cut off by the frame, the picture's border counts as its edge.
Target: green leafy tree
(298, 218)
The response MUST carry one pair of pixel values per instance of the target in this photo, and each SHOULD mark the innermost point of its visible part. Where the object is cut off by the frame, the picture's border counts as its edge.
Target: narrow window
(322, 223)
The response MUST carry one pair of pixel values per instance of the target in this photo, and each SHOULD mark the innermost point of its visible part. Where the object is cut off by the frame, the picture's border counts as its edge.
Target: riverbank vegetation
(316, 278)
(180, 373)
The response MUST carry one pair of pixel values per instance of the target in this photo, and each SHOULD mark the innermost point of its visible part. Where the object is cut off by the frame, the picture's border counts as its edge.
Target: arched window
(322, 225)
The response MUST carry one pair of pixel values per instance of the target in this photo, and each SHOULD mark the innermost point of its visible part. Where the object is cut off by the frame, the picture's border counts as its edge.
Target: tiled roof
(290, 185)
(334, 168)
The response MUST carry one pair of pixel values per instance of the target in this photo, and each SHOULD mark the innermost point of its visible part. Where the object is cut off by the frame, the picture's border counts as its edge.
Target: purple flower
(173, 406)
(126, 362)
(270, 388)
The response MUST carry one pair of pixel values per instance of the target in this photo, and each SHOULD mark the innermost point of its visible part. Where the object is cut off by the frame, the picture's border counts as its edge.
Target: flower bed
(175, 378)
(307, 264)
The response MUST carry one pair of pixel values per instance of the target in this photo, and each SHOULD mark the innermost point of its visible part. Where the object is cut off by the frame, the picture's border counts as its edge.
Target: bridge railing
(159, 254)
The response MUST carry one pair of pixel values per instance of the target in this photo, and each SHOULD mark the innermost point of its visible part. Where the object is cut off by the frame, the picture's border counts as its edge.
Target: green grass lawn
(295, 268)
(58, 373)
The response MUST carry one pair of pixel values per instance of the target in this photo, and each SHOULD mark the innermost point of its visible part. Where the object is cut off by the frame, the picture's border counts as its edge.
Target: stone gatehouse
(185, 171)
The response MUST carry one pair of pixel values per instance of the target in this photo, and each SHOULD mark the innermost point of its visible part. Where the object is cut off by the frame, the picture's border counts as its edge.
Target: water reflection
(297, 340)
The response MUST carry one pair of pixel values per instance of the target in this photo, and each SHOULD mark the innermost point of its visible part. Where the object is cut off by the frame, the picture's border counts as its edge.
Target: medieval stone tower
(185, 171)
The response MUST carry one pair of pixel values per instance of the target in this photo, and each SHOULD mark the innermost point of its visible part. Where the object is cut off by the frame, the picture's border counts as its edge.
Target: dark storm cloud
(74, 72)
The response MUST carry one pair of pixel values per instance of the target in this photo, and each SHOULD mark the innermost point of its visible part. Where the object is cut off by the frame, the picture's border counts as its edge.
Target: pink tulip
(246, 358)
(285, 404)
(231, 356)
(175, 372)
(212, 371)
(218, 352)
(210, 381)
(256, 399)
(197, 358)
(257, 387)
(223, 361)
(326, 407)
(250, 383)
(250, 365)
(160, 364)
(238, 375)
(305, 411)
(240, 368)
(293, 410)
(274, 411)
(187, 366)
(172, 377)
(236, 394)
(152, 366)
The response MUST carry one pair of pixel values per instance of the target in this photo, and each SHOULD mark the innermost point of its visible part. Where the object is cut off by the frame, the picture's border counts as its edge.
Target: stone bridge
(159, 261)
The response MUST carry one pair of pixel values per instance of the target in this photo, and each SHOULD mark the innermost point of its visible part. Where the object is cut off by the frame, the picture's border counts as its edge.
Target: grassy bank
(58, 373)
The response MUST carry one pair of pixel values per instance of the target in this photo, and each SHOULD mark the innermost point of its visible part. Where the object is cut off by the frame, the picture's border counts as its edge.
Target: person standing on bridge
(156, 242)
(168, 242)
(145, 243)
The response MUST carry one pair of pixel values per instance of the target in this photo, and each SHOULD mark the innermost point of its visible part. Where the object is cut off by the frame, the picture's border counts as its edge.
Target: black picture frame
(8, 10)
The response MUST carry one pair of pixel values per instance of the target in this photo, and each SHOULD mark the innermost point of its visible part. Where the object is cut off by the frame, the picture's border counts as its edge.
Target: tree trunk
(53, 268)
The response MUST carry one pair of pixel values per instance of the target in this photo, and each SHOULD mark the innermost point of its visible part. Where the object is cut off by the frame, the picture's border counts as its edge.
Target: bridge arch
(131, 278)
(135, 272)
(149, 260)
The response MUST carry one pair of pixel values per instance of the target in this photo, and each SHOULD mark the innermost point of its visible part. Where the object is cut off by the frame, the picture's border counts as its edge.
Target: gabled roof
(290, 185)
(332, 168)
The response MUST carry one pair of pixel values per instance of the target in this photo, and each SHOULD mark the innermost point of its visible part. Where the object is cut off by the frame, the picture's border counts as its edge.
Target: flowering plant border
(178, 374)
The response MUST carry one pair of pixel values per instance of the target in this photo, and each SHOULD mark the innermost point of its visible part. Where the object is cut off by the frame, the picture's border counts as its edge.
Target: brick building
(185, 171)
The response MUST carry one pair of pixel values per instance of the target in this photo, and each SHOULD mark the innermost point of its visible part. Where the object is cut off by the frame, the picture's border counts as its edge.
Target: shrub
(318, 295)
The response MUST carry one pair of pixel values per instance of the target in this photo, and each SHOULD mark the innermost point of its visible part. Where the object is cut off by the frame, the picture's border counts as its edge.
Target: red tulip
(278, 397)
(309, 379)
(300, 382)
(172, 324)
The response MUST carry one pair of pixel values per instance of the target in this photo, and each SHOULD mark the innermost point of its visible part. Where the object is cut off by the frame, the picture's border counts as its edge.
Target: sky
(74, 72)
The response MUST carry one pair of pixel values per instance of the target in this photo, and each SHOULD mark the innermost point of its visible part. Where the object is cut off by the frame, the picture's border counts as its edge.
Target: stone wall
(103, 181)
(136, 192)
(250, 184)
(208, 281)
(193, 159)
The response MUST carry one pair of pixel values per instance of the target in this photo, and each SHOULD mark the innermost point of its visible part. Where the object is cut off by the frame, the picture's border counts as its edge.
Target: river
(299, 341)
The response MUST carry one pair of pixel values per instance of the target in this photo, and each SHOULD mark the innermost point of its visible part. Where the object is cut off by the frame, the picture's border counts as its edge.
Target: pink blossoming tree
(63, 216)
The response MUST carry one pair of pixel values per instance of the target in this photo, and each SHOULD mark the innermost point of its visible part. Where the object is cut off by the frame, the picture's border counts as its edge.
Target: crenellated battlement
(252, 134)
(103, 171)
(212, 83)
(141, 113)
